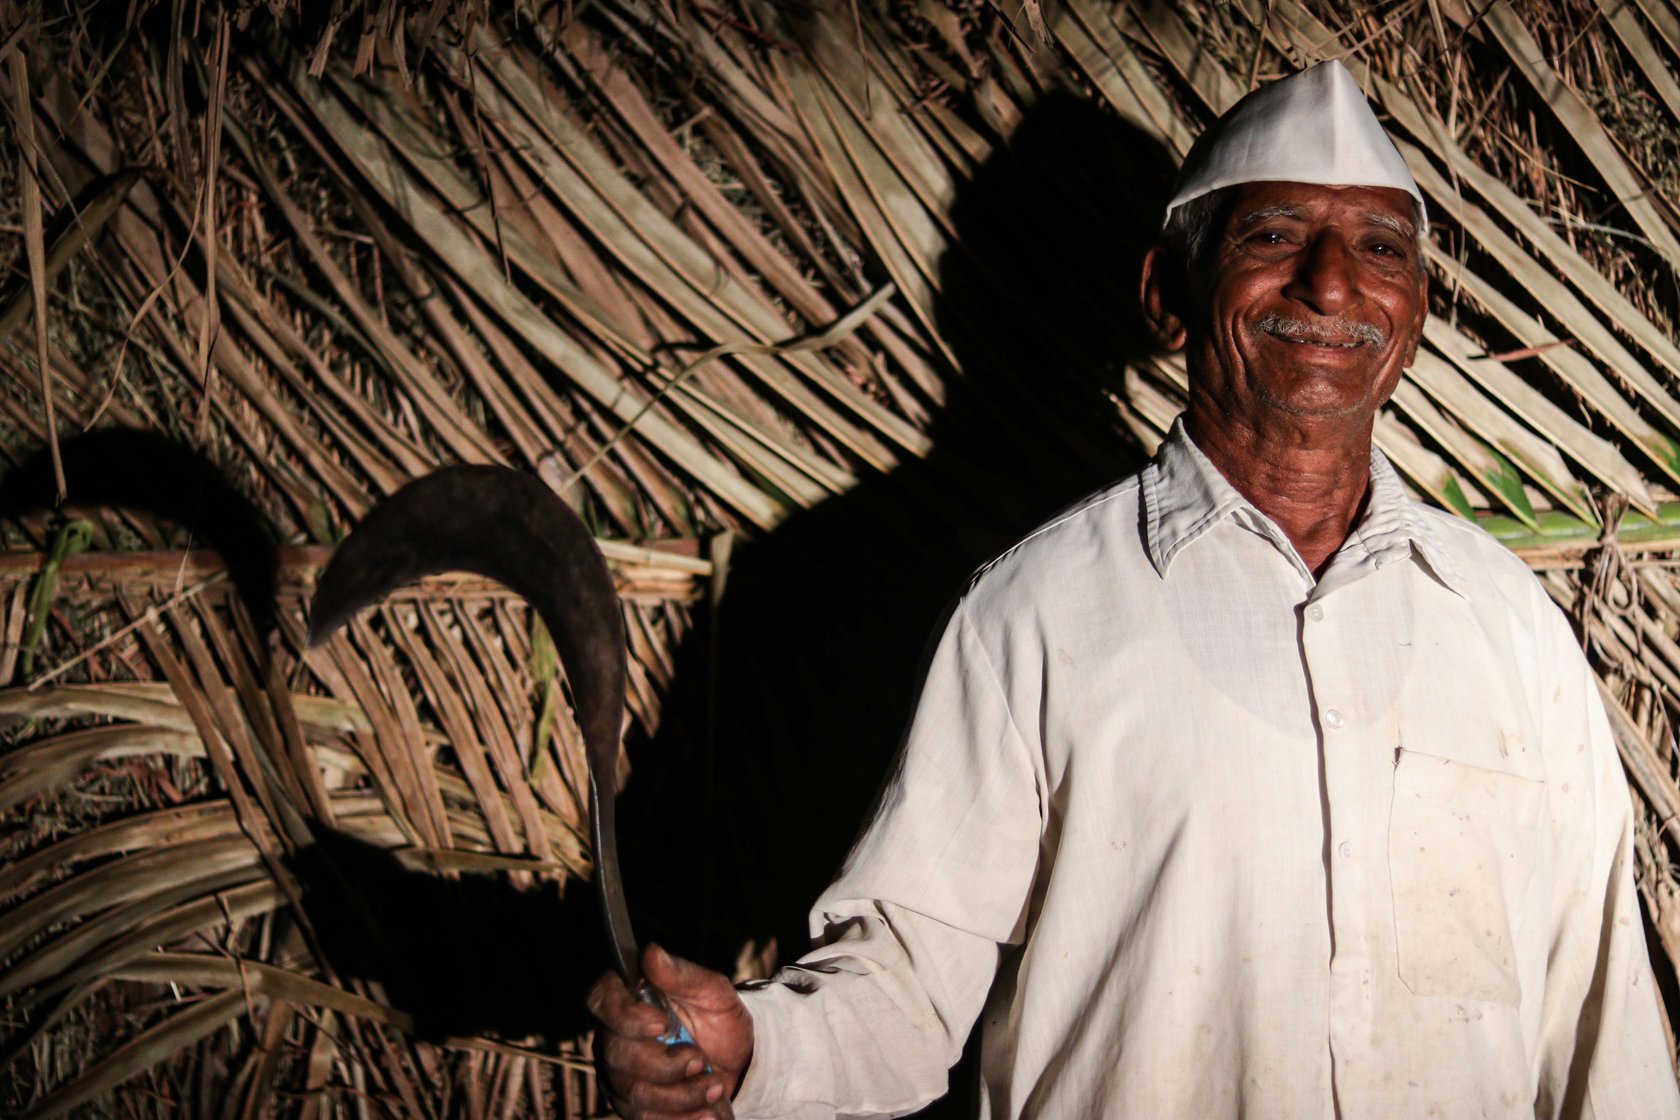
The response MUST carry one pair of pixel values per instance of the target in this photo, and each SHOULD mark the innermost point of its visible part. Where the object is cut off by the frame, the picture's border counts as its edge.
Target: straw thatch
(805, 307)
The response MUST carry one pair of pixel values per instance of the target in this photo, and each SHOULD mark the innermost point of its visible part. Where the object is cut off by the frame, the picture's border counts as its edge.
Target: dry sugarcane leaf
(463, 737)
(915, 181)
(148, 1049)
(1574, 114)
(397, 738)
(156, 829)
(570, 444)
(1094, 43)
(909, 270)
(260, 1087)
(136, 226)
(1663, 19)
(212, 704)
(1500, 382)
(440, 175)
(395, 459)
(85, 226)
(480, 275)
(440, 410)
(487, 720)
(319, 1067)
(1557, 300)
(29, 180)
(185, 301)
(512, 697)
(73, 959)
(618, 89)
(1426, 470)
(1484, 467)
(672, 264)
(201, 970)
(1619, 14)
(153, 702)
(48, 763)
(1197, 66)
(1540, 459)
(131, 877)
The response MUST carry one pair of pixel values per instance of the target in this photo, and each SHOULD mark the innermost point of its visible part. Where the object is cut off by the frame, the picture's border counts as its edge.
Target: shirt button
(1316, 613)
(1345, 850)
(1332, 718)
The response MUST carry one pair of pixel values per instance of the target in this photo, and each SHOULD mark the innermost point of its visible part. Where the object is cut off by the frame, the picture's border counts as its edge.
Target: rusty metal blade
(511, 528)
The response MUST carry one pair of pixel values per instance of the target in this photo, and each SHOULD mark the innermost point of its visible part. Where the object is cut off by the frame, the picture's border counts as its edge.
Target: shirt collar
(1184, 496)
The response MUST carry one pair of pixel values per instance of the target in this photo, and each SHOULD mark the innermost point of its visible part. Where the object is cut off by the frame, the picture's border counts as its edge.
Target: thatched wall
(807, 308)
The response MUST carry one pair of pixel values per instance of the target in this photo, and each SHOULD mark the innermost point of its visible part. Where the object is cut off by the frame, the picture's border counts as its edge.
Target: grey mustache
(1332, 331)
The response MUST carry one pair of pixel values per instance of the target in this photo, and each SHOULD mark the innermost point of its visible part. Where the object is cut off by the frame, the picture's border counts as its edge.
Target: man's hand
(645, 1079)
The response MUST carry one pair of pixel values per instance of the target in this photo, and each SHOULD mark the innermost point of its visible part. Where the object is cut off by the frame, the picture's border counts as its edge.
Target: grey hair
(1192, 227)
(1189, 229)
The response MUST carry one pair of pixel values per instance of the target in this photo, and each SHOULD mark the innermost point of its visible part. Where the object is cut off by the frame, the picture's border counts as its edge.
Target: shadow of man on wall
(792, 699)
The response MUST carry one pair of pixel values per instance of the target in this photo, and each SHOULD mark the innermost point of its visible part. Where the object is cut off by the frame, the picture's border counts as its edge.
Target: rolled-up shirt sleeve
(1601, 1052)
(909, 935)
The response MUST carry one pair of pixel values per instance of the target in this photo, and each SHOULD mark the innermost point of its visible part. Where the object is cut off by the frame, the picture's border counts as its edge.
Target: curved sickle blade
(511, 528)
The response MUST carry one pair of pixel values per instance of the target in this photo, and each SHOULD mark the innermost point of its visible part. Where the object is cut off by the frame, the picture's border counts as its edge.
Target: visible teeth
(1334, 333)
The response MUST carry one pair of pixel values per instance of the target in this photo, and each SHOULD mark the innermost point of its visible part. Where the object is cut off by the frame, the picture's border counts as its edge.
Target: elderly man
(1248, 787)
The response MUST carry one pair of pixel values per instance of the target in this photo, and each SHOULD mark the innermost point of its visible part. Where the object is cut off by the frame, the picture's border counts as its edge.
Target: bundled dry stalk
(849, 276)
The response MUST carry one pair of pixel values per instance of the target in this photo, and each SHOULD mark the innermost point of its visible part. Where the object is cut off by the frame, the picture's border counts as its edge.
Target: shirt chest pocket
(1462, 846)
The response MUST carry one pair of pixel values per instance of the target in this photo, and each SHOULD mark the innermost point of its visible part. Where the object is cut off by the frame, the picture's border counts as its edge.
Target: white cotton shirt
(1197, 836)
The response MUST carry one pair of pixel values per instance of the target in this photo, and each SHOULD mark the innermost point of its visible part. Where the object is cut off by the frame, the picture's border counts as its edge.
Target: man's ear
(1159, 295)
(1422, 317)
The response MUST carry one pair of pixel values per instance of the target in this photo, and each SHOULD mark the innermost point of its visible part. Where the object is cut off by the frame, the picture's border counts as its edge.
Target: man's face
(1310, 303)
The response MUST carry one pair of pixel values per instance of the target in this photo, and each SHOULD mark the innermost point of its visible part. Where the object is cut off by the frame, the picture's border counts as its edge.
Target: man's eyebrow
(1388, 222)
(1283, 210)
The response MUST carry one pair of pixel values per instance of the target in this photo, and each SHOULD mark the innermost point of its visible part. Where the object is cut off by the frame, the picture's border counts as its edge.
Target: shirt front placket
(1355, 750)
(1343, 641)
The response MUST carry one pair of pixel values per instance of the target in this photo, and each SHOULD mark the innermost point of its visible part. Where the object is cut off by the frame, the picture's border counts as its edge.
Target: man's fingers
(713, 1112)
(606, 995)
(637, 1059)
(621, 1012)
(699, 1095)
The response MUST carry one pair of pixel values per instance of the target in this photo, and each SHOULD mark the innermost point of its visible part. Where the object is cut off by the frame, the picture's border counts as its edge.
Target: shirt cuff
(762, 1090)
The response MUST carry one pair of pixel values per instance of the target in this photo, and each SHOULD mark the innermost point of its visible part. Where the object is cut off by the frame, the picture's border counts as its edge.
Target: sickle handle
(676, 1033)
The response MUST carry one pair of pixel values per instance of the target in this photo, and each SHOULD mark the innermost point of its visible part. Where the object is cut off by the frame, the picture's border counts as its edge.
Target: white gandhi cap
(1311, 127)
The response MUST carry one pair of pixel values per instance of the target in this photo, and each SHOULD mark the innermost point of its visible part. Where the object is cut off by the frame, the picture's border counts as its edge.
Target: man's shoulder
(1492, 576)
(1473, 547)
(1101, 529)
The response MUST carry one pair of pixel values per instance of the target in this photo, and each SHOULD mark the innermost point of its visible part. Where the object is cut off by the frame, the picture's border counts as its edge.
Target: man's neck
(1308, 474)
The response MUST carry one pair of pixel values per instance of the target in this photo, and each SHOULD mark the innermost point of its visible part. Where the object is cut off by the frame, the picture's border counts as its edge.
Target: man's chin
(1319, 407)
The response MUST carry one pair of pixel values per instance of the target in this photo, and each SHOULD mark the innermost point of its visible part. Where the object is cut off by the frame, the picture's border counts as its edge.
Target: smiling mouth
(1319, 343)
(1332, 334)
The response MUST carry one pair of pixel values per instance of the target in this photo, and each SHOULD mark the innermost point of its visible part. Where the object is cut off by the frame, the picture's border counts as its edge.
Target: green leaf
(72, 538)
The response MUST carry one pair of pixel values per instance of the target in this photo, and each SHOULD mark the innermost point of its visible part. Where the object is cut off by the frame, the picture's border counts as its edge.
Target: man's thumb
(674, 976)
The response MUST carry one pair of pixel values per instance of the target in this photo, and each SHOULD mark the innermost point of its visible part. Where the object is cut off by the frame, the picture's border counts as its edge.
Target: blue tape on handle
(678, 1034)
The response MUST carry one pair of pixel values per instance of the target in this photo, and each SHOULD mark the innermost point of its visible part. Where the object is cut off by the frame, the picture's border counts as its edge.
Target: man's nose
(1325, 276)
